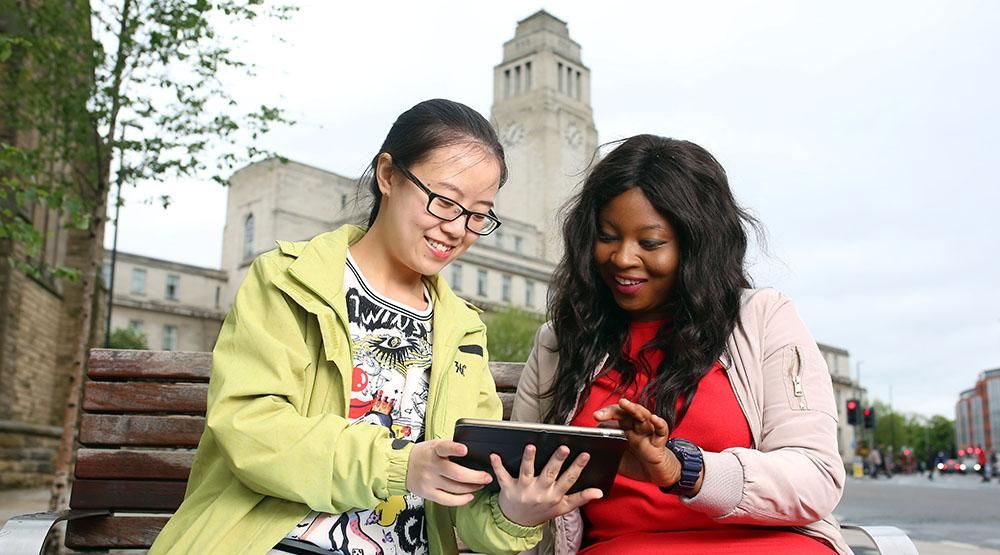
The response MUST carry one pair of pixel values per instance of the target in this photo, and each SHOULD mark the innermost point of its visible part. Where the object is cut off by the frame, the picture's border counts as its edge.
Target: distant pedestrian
(875, 461)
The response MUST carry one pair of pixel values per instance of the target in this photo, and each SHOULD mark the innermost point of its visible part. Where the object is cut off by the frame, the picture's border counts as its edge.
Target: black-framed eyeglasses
(443, 208)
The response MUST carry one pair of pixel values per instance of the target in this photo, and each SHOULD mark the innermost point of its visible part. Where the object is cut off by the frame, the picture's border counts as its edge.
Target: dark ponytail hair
(429, 125)
(690, 189)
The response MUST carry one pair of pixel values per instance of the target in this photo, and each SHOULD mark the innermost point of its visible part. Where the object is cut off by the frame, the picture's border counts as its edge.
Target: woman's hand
(530, 500)
(647, 457)
(431, 474)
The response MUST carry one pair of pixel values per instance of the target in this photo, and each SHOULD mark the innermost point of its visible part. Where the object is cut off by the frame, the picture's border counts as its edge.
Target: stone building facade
(178, 307)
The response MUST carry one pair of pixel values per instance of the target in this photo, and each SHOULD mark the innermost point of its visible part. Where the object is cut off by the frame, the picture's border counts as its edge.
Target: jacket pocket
(791, 363)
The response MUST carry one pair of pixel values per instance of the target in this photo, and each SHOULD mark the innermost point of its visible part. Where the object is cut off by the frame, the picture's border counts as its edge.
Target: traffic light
(869, 418)
(852, 411)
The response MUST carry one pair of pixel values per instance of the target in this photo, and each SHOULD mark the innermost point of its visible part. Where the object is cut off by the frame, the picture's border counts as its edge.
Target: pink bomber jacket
(792, 476)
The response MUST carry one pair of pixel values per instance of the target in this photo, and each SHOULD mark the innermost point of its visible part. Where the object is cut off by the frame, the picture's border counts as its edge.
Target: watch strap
(692, 462)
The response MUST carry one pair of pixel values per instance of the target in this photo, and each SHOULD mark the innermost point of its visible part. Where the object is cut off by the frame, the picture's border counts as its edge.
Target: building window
(529, 293)
(506, 82)
(248, 237)
(138, 281)
(560, 73)
(135, 325)
(518, 243)
(106, 274)
(343, 200)
(173, 284)
(481, 283)
(505, 291)
(169, 338)
(218, 295)
(499, 238)
(517, 80)
(456, 277)
(527, 76)
(578, 85)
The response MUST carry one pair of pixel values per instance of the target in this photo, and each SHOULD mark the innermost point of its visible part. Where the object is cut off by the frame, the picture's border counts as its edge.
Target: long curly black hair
(688, 186)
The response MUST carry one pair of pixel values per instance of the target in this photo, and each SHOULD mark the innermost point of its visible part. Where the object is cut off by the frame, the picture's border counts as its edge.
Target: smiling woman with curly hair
(724, 396)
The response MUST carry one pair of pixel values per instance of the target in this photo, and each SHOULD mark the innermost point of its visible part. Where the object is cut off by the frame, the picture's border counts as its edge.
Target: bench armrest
(25, 534)
(888, 539)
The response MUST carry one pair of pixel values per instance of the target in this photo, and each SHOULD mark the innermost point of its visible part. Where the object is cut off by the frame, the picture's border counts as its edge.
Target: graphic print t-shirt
(392, 361)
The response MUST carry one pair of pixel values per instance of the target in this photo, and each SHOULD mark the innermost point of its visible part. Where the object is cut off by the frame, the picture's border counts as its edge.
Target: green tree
(511, 334)
(128, 338)
(116, 92)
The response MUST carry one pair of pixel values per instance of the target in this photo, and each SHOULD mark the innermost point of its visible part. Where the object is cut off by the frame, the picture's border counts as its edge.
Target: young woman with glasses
(725, 398)
(343, 365)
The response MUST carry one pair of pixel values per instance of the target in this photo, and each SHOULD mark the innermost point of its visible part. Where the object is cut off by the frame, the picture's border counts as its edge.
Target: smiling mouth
(440, 247)
(628, 281)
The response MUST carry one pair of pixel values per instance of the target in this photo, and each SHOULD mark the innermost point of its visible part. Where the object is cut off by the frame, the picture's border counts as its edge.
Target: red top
(637, 515)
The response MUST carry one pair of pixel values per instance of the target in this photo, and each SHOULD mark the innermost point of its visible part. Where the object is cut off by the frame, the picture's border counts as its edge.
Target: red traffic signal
(870, 417)
(852, 411)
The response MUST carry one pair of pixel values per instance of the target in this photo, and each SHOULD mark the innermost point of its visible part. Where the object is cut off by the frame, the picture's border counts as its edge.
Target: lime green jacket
(277, 442)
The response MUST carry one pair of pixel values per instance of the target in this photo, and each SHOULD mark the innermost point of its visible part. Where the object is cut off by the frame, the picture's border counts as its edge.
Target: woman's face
(465, 173)
(637, 255)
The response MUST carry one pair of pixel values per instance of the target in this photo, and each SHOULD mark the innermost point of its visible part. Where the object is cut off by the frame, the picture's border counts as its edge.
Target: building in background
(977, 413)
(178, 307)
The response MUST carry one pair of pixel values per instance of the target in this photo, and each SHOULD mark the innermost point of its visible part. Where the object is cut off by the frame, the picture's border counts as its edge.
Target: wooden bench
(143, 414)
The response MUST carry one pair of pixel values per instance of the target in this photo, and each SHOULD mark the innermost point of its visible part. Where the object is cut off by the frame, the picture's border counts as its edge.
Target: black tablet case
(605, 453)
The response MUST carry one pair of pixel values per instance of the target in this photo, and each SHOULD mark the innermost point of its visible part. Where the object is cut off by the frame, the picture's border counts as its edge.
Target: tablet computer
(508, 439)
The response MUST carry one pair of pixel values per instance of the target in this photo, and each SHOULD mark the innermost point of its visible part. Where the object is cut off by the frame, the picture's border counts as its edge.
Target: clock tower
(541, 109)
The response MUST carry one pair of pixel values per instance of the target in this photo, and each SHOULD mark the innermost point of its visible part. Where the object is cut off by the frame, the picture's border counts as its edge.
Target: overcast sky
(864, 135)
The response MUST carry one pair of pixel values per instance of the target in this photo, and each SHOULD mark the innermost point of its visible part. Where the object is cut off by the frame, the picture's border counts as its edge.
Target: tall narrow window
(499, 238)
(518, 244)
(560, 73)
(135, 325)
(138, 281)
(218, 295)
(481, 283)
(456, 277)
(173, 284)
(517, 80)
(569, 80)
(343, 200)
(505, 288)
(248, 237)
(527, 76)
(106, 274)
(506, 82)
(169, 338)
(578, 85)
(529, 293)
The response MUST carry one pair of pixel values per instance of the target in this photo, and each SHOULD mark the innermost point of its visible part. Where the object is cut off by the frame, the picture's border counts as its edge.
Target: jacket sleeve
(261, 375)
(481, 524)
(795, 475)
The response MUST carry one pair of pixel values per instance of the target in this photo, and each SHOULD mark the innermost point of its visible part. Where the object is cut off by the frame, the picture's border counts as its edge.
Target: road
(951, 511)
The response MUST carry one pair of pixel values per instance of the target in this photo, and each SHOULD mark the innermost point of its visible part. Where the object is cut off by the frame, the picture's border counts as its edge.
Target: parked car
(952, 466)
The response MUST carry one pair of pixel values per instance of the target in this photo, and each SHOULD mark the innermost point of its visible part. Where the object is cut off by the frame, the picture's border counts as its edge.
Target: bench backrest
(143, 414)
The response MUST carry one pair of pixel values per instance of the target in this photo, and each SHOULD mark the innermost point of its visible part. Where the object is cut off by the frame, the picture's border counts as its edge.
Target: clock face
(573, 135)
(512, 135)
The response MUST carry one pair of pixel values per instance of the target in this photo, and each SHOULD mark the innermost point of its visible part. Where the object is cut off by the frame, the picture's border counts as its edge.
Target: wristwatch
(691, 464)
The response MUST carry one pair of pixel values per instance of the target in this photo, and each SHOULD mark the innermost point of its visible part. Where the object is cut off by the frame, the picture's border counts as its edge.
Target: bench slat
(145, 397)
(153, 431)
(114, 532)
(149, 365)
(506, 374)
(127, 495)
(133, 464)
